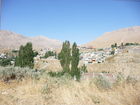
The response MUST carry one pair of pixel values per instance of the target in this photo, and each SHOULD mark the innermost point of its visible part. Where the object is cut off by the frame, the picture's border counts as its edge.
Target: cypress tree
(65, 56)
(75, 61)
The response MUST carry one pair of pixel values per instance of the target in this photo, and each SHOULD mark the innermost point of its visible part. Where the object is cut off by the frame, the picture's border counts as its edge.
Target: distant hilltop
(125, 35)
(11, 40)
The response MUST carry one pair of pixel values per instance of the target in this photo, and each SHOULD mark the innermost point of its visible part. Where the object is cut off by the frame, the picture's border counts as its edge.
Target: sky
(78, 21)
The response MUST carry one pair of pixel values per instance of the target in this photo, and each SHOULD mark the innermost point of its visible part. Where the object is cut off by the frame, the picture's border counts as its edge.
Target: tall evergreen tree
(25, 57)
(65, 56)
(75, 61)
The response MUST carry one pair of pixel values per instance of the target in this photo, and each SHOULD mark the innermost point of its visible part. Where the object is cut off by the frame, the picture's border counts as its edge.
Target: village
(87, 55)
(97, 56)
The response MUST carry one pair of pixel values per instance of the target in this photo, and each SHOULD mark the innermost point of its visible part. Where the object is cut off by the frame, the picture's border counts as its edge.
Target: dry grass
(49, 65)
(65, 91)
(126, 63)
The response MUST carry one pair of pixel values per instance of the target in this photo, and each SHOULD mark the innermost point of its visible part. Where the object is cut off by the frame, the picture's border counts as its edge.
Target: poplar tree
(65, 56)
(75, 61)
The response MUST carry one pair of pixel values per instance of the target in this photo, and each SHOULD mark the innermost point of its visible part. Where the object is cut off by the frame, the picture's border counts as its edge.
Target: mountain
(131, 34)
(11, 40)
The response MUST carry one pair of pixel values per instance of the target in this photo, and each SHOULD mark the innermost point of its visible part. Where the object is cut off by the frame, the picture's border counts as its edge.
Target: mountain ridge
(124, 35)
(12, 40)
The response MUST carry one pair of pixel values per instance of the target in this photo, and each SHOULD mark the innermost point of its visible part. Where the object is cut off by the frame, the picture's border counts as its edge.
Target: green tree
(115, 45)
(25, 56)
(65, 56)
(49, 53)
(75, 71)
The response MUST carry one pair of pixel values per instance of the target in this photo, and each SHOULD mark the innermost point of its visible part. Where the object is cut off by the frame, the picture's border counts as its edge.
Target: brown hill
(125, 35)
(11, 40)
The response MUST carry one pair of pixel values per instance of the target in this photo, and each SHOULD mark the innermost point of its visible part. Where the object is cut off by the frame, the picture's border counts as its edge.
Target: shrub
(83, 69)
(112, 52)
(56, 74)
(45, 89)
(102, 83)
(129, 44)
(119, 79)
(131, 80)
(49, 53)
(17, 73)
(5, 61)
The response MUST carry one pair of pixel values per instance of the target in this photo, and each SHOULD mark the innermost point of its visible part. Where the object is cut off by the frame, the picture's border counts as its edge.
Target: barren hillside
(10, 40)
(125, 35)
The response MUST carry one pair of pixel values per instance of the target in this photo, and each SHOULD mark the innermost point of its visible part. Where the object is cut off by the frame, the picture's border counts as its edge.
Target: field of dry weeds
(65, 91)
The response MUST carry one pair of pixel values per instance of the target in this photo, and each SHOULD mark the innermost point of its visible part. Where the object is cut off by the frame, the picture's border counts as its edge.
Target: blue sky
(75, 20)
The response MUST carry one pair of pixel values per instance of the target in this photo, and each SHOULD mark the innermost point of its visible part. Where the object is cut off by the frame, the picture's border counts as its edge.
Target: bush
(131, 80)
(120, 80)
(45, 89)
(56, 74)
(112, 52)
(17, 73)
(5, 61)
(102, 83)
(49, 53)
(83, 69)
(129, 44)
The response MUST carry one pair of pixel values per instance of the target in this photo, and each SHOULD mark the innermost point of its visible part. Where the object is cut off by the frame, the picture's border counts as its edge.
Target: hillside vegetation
(39, 88)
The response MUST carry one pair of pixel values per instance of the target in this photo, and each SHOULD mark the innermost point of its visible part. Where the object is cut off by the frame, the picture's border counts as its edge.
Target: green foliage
(56, 74)
(15, 51)
(112, 52)
(25, 56)
(35, 53)
(75, 61)
(101, 49)
(5, 61)
(68, 57)
(114, 45)
(49, 53)
(65, 56)
(129, 44)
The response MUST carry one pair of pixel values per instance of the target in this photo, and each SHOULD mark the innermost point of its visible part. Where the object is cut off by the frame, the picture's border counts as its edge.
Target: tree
(65, 56)
(115, 45)
(49, 53)
(25, 57)
(70, 58)
(75, 61)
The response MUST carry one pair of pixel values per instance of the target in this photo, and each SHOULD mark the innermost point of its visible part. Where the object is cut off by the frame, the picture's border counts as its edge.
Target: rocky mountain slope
(11, 40)
(131, 34)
